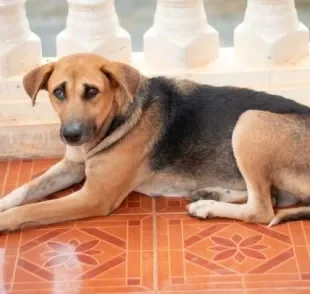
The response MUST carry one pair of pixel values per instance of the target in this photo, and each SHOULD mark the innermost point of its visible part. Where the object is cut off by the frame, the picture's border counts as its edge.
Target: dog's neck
(115, 128)
(118, 125)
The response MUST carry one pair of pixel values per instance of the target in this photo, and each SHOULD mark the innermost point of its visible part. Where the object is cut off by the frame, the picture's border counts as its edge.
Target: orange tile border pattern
(150, 246)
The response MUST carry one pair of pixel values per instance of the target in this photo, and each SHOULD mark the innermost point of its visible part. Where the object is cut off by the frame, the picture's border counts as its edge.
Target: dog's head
(85, 90)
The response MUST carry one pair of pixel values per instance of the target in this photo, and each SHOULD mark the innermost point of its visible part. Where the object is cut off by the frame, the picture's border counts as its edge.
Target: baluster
(20, 49)
(271, 33)
(180, 36)
(93, 26)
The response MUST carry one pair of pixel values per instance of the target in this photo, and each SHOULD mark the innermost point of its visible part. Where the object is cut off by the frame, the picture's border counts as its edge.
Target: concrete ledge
(28, 132)
(32, 139)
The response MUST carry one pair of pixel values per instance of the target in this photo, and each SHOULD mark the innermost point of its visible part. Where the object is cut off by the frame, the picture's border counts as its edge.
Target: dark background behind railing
(47, 18)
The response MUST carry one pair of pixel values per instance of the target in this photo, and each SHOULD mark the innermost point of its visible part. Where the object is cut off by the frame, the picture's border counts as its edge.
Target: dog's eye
(90, 92)
(59, 94)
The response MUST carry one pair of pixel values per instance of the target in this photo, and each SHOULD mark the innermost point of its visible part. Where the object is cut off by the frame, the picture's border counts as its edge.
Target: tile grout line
(2, 195)
(155, 260)
(127, 251)
(243, 283)
(18, 174)
(169, 247)
(305, 236)
(141, 251)
(16, 261)
(293, 248)
(20, 233)
(2, 269)
(31, 170)
(183, 251)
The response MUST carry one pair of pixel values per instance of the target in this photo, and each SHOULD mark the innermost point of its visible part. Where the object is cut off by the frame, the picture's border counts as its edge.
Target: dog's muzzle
(76, 133)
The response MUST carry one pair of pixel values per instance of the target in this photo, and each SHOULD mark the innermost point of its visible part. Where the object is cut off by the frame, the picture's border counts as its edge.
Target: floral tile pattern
(150, 246)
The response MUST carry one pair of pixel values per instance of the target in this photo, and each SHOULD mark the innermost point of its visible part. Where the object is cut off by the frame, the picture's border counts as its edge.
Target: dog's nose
(73, 132)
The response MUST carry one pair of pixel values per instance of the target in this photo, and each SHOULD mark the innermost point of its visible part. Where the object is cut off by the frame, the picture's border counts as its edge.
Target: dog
(239, 153)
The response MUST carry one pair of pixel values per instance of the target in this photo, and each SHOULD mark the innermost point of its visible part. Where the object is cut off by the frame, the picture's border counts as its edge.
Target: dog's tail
(291, 214)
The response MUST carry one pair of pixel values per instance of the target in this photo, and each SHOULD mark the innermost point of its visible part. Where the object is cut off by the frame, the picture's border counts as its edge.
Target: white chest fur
(75, 153)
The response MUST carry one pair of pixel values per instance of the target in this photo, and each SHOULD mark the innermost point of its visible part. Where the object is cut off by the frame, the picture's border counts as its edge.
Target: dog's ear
(124, 80)
(36, 80)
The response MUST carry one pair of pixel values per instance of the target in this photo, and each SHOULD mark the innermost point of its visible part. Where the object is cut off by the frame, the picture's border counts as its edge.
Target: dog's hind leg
(220, 194)
(226, 195)
(258, 207)
(249, 138)
(60, 176)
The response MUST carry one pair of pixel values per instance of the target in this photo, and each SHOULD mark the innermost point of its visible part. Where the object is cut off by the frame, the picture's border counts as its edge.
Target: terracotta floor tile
(13, 172)
(41, 165)
(230, 255)
(116, 257)
(170, 205)
(135, 203)
(183, 257)
(149, 246)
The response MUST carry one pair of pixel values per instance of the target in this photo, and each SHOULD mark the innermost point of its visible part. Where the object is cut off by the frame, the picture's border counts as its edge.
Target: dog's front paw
(3, 205)
(201, 209)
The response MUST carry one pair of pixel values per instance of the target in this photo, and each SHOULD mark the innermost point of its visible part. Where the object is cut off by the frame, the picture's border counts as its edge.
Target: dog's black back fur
(197, 124)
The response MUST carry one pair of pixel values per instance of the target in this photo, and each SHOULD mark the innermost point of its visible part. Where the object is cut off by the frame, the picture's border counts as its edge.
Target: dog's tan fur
(119, 163)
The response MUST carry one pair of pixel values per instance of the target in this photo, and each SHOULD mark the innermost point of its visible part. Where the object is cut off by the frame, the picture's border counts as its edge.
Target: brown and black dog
(238, 152)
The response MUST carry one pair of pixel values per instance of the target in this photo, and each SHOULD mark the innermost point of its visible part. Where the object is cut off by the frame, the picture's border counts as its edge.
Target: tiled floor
(151, 246)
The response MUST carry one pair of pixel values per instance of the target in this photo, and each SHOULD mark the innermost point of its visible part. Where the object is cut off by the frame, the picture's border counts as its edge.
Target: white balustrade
(271, 33)
(93, 26)
(20, 49)
(180, 36)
